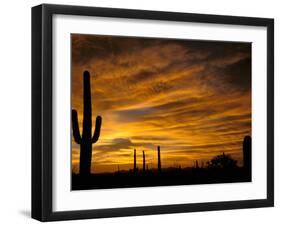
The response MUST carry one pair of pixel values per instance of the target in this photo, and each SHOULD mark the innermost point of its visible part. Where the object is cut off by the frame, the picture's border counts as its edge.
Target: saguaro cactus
(159, 159)
(202, 164)
(135, 160)
(86, 139)
(247, 155)
(143, 161)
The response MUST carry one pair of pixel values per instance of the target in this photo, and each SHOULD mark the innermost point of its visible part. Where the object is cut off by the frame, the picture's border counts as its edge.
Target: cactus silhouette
(143, 161)
(196, 164)
(159, 159)
(202, 164)
(135, 160)
(247, 155)
(86, 139)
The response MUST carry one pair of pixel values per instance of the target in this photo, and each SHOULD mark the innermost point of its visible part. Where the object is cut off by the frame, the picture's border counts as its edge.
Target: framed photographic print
(146, 112)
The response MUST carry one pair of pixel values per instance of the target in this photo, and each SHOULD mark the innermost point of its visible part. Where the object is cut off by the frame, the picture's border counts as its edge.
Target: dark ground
(168, 177)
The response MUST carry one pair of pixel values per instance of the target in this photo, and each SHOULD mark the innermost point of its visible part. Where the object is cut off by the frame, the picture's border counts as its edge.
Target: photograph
(149, 111)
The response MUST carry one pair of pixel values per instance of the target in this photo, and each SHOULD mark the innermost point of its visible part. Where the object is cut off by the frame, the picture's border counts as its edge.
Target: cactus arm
(75, 127)
(97, 129)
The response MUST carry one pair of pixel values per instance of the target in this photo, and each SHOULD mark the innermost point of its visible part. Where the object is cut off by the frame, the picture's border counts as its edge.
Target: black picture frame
(42, 111)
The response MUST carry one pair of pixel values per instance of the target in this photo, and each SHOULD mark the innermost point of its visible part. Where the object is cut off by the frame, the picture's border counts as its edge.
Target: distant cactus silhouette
(143, 161)
(159, 159)
(196, 164)
(135, 160)
(86, 139)
(247, 155)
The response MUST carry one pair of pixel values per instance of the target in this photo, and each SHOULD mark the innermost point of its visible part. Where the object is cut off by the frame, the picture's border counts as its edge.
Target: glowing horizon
(193, 98)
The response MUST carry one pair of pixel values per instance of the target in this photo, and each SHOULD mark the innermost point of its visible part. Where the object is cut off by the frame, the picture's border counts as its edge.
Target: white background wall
(15, 113)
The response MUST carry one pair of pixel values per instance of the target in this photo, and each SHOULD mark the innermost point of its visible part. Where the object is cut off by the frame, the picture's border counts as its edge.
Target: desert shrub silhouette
(86, 139)
(247, 155)
(222, 162)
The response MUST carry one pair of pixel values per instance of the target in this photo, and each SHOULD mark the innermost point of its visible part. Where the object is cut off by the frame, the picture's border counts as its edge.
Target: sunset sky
(193, 98)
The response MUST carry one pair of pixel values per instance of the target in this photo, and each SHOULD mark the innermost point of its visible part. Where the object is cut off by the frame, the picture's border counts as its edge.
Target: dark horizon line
(152, 169)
